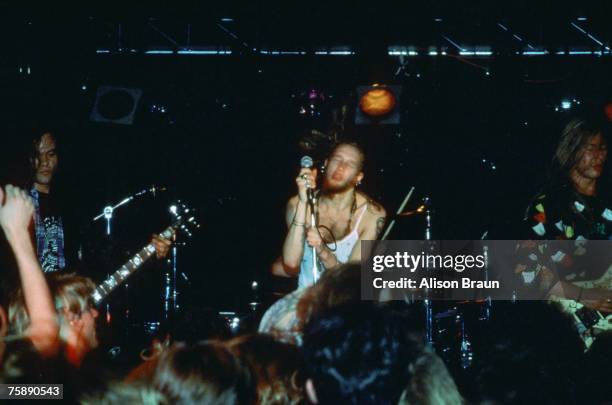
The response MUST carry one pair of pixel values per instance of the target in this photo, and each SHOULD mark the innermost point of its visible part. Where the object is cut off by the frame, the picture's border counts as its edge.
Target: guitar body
(589, 322)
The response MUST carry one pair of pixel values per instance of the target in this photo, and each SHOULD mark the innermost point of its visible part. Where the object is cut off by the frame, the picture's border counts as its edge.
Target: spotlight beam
(163, 34)
(597, 41)
(453, 43)
(500, 25)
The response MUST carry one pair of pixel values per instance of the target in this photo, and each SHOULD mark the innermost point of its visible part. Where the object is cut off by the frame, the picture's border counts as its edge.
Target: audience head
(337, 286)
(358, 354)
(76, 314)
(431, 383)
(206, 373)
(276, 367)
(136, 393)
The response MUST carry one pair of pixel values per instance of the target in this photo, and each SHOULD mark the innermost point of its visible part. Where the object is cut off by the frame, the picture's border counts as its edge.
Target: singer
(342, 216)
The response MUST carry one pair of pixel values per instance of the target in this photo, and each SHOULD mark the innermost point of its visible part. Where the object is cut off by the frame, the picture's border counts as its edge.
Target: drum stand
(427, 301)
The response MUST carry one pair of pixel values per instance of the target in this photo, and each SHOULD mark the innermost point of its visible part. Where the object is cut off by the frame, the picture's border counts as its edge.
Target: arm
(296, 219)
(279, 269)
(293, 247)
(593, 298)
(15, 217)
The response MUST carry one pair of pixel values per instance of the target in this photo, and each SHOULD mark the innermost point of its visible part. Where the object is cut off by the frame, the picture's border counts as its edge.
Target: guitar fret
(123, 273)
(119, 276)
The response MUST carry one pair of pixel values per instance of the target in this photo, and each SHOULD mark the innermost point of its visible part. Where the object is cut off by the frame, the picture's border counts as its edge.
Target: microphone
(306, 162)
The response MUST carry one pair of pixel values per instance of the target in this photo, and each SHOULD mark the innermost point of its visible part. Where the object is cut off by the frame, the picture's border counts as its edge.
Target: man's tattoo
(380, 223)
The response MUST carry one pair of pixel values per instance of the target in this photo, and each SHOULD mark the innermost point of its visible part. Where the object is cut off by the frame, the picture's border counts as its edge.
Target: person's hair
(70, 292)
(35, 134)
(206, 372)
(352, 144)
(276, 366)
(573, 137)
(535, 344)
(127, 393)
(337, 286)
(359, 354)
(431, 383)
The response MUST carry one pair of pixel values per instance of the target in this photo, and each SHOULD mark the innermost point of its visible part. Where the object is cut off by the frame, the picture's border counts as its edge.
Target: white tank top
(344, 247)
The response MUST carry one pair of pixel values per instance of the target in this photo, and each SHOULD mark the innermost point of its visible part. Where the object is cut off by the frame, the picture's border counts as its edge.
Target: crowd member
(42, 328)
(136, 393)
(358, 354)
(75, 313)
(431, 383)
(276, 367)
(286, 318)
(204, 373)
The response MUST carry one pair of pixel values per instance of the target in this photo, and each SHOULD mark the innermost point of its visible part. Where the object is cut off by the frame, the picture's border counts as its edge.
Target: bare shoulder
(374, 209)
(374, 218)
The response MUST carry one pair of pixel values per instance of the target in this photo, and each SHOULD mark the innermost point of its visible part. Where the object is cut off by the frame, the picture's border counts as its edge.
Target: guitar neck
(129, 267)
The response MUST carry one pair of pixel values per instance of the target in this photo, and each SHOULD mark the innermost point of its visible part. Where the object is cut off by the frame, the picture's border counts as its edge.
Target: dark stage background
(221, 131)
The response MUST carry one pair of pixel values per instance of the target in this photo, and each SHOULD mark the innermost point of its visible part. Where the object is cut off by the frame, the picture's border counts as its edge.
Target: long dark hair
(573, 137)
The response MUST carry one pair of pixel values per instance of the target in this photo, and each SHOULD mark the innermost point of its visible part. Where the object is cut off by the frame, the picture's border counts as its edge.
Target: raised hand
(305, 180)
(16, 210)
(162, 246)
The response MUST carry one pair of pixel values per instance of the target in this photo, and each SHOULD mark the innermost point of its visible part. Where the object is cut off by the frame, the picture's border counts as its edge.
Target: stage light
(566, 104)
(115, 105)
(377, 102)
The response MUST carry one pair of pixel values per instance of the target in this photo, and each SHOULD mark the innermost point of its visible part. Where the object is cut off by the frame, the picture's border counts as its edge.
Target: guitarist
(49, 224)
(571, 206)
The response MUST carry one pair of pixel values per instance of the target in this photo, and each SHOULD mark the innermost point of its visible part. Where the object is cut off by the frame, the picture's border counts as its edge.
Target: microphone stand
(313, 224)
(429, 332)
(107, 212)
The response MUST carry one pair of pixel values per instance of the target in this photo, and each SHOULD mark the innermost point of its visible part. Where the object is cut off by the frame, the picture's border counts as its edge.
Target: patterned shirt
(49, 233)
(561, 213)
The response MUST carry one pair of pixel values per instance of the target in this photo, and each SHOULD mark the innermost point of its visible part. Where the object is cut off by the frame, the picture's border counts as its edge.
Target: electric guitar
(182, 221)
(589, 322)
